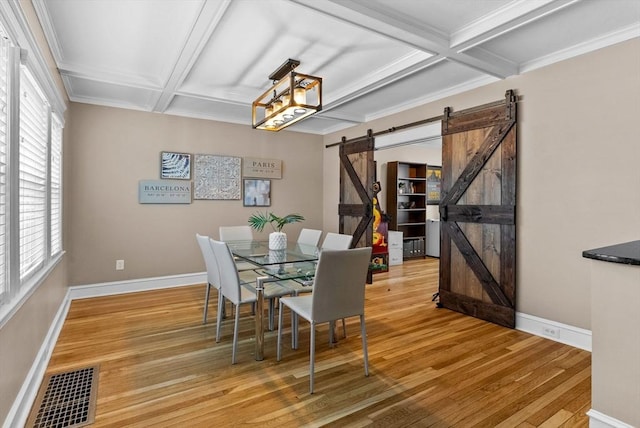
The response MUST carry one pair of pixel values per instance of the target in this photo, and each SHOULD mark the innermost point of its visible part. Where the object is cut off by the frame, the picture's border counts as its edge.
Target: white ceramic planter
(277, 241)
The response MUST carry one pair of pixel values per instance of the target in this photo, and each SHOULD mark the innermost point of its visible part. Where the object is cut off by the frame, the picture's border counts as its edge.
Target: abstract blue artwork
(175, 165)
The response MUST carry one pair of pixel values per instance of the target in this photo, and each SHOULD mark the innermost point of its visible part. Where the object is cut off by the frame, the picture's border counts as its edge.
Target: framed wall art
(164, 192)
(175, 166)
(261, 168)
(216, 177)
(434, 180)
(257, 193)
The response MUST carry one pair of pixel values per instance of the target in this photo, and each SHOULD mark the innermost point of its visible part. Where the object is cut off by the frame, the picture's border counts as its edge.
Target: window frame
(24, 52)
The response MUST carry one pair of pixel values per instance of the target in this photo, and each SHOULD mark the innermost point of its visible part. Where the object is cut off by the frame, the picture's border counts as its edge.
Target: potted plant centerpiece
(277, 238)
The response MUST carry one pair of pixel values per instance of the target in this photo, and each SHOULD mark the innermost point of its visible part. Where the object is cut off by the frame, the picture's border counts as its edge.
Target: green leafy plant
(260, 219)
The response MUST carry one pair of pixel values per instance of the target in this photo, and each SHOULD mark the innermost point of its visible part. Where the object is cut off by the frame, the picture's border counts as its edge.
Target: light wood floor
(429, 367)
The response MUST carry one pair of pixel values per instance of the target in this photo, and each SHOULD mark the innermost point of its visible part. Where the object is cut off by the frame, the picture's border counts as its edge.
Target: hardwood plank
(160, 366)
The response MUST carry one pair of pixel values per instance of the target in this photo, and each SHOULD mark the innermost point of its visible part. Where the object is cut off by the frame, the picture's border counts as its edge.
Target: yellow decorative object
(379, 218)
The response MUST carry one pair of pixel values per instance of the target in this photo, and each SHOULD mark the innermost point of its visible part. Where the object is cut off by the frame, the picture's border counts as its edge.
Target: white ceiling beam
(210, 16)
(341, 116)
(381, 22)
(108, 77)
(504, 20)
(481, 57)
(382, 82)
(405, 30)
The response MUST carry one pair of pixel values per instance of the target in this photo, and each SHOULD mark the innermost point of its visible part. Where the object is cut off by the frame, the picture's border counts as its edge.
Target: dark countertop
(627, 253)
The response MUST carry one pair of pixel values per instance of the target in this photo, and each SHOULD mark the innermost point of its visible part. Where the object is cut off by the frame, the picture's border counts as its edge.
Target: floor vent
(66, 400)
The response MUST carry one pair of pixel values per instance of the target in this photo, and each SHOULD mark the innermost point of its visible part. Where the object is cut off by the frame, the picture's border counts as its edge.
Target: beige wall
(112, 149)
(578, 174)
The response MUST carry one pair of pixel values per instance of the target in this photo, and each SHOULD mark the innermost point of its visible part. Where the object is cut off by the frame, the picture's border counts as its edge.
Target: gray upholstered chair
(238, 292)
(338, 293)
(337, 241)
(332, 241)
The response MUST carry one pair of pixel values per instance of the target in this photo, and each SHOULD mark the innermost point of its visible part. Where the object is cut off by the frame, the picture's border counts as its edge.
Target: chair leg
(206, 303)
(222, 305)
(312, 355)
(272, 308)
(219, 316)
(294, 330)
(365, 354)
(279, 342)
(235, 334)
(332, 332)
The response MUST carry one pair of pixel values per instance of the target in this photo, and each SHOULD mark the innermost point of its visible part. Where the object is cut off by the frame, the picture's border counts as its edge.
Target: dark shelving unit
(407, 204)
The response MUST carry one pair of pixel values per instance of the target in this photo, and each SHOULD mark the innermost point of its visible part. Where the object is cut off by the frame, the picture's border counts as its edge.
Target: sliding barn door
(357, 170)
(477, 212)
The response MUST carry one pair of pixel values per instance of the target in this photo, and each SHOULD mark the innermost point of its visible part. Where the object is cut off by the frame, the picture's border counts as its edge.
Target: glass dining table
(295, 264)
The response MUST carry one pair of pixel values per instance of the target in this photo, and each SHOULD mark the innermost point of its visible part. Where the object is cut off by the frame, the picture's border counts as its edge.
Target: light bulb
(300, 95)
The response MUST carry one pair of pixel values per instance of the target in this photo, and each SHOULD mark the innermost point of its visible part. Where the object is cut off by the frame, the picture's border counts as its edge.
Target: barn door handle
(443, 212)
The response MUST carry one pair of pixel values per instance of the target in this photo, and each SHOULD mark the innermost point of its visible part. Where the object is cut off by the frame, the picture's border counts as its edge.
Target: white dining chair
(237, 233)
(238, 292)
(336, 241)
(338, 292)
(213, 276)
(309, 237)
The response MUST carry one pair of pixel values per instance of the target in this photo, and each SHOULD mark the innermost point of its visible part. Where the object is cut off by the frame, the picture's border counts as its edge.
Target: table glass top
(258, 252)
(297, 261)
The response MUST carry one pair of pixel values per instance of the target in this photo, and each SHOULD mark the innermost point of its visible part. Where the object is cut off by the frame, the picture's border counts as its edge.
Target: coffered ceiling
(211, 58)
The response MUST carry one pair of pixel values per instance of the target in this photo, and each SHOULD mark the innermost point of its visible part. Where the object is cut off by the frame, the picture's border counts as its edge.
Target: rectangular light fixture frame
(294, 97)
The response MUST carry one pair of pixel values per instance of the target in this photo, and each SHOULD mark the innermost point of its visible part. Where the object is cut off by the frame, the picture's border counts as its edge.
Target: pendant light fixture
(292, 97)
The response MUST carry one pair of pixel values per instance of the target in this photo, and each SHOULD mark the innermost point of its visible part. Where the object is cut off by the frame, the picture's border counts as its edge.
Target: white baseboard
(600, 420)
(19, 411)
(135, 285)
(563, 333)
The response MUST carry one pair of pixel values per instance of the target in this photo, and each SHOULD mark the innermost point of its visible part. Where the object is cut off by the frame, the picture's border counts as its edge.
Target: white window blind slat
(56, 186)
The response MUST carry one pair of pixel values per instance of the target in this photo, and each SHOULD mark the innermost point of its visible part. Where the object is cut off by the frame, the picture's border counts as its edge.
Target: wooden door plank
(477, 266)
(474, 166)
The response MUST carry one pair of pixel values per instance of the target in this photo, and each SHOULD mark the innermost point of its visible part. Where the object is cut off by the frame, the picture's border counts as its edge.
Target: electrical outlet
(551, 332)
(119, 264)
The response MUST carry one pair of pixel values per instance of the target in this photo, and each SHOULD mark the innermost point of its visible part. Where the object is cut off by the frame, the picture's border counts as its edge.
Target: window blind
(56, 186)
(34, 126)
(30, 174)
(4, 100)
